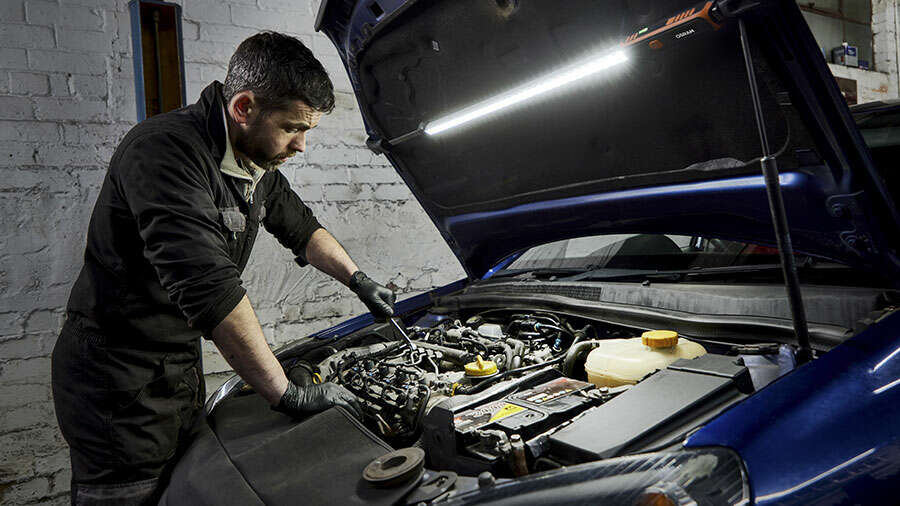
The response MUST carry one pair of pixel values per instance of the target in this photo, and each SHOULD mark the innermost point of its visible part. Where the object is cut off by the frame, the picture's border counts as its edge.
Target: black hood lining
(677, 115)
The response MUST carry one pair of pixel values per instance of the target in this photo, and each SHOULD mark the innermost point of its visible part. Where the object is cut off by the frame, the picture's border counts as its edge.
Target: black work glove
(300, 401)
(377, 298)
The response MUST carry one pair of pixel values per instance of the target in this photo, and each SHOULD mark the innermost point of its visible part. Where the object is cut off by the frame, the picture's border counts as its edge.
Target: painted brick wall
(66, 98)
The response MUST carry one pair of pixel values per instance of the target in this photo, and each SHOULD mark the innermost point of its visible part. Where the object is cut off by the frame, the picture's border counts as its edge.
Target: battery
(528, 412)
(462, 433)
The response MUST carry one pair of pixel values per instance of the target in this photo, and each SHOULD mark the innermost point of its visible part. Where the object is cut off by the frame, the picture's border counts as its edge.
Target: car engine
(400, 381)
(506, 391)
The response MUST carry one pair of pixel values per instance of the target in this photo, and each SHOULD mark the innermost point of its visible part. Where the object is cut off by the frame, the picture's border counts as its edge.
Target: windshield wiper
(674, 275)
(603, 274)
(541, 271)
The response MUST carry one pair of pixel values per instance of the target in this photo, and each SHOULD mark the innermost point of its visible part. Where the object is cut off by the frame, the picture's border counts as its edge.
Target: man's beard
(248, 148)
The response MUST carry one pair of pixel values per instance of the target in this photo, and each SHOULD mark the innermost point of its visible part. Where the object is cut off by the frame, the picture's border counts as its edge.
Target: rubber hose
(458, 357)
(572, 355)
(518, 346)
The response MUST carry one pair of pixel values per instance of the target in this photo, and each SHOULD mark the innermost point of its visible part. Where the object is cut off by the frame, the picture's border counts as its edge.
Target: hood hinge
(846, 207)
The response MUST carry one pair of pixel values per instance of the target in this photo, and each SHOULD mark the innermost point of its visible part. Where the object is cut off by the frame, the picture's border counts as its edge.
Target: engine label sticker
(475, 418)
(506, 410)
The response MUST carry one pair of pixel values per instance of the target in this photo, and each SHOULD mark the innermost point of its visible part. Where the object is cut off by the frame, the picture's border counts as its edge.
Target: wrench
(403, 333)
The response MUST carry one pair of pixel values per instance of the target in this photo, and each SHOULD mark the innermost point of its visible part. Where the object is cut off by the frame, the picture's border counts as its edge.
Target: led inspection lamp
(701, 18)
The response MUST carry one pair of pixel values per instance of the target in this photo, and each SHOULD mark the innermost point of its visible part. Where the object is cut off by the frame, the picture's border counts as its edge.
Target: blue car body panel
(672, 209)
(827, 432)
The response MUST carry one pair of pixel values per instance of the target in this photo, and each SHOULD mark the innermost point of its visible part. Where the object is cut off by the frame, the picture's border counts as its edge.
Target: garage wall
(66, 98)
(883, 81)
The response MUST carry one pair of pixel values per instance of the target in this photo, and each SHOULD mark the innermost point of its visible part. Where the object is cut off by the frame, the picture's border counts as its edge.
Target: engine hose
(508, 353)
(458, 357)
(540, 326)
(522, 318)
(580, 334)
(475, 342)
(572, 355)
(518, 346)
(422, 408)
(487, 344)
(578, 337)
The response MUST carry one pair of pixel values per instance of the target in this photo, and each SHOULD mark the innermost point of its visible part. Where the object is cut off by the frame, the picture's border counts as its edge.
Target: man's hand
(377, 298)
(299, 401)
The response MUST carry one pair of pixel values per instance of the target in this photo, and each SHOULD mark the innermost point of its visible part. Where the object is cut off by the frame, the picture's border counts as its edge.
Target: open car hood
(664, 141)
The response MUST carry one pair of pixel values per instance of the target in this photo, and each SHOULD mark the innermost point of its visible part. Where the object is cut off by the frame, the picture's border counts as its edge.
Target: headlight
(706, 476)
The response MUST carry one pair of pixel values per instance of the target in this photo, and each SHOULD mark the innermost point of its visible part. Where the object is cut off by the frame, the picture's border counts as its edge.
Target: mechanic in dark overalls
(171, 231)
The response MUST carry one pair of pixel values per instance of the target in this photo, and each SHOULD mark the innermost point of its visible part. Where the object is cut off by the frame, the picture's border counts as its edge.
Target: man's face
(273, 137)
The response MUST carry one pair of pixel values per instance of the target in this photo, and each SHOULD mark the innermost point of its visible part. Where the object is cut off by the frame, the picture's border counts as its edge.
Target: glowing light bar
(529, 90)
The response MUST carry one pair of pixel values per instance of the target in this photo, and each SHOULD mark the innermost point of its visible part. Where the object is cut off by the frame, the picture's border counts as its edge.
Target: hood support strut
(779, 216)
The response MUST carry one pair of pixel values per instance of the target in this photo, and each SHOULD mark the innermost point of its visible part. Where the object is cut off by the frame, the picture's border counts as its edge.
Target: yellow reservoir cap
(481, 367)
(660, 338)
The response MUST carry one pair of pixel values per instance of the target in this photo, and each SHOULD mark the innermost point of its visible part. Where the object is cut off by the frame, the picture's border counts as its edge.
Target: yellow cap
(660, 338)
(481, 367)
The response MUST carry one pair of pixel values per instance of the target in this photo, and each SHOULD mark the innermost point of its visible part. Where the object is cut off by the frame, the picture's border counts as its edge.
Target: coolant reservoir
(617, 362)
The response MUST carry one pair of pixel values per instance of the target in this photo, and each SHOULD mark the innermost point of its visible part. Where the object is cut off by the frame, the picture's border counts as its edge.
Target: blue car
(681, 250)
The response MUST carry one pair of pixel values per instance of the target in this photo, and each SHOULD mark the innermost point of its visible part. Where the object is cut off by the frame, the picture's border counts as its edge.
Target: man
(171, 231)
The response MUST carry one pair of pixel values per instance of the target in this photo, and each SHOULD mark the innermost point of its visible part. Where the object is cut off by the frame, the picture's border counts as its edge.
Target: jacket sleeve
(289, 219)
(168, 192)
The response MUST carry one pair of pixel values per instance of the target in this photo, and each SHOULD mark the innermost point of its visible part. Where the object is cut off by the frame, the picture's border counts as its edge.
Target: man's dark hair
(278, 69)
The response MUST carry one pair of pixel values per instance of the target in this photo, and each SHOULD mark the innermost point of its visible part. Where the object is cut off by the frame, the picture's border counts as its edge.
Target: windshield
(880, 128)
(643, 251)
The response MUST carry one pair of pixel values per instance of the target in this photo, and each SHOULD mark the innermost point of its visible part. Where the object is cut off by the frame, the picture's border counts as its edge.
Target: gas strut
(776, 207)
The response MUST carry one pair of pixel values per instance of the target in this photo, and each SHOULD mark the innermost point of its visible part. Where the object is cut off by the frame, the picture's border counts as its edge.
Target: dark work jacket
(168, 239)
(170, 233)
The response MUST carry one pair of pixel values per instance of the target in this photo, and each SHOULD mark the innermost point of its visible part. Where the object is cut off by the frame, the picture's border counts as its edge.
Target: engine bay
(508, 391)
(400, 381)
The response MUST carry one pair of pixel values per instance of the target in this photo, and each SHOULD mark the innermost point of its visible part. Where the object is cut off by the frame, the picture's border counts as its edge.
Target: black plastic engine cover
(662, 406)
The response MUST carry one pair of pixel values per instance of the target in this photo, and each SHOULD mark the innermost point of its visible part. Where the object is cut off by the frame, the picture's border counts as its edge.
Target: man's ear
(242, 107)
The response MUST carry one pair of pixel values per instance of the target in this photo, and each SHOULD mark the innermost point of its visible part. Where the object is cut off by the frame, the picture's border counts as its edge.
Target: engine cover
(670, 401)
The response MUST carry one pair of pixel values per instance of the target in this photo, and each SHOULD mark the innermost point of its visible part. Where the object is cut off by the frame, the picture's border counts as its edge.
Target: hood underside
(665, 142)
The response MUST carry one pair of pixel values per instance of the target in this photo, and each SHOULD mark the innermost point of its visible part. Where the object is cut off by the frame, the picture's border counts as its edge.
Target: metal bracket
(433, 485)
(380, 146)
(846, 207)
(377, 145)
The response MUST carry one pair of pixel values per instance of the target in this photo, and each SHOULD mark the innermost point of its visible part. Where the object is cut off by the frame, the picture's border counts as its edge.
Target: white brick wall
(66, 98)
(884, 35)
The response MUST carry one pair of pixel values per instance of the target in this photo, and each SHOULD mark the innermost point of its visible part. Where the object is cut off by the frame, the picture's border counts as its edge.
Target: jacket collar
(212, 103)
